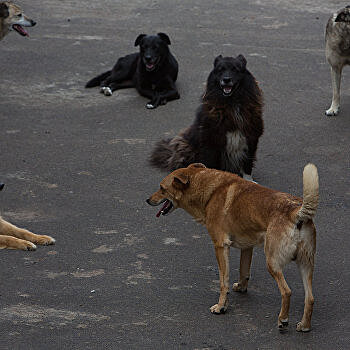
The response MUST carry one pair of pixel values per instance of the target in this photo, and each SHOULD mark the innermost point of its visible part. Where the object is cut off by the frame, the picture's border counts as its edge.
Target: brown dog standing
(243, 214)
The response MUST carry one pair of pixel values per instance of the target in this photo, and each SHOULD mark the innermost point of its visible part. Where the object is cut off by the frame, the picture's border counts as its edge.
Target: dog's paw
(302, 328)
(150, 105)
(28, 246)
(237, 287)
(282, 324)
(45, 240)
(107, 91)
(331, 112)
(218, 309)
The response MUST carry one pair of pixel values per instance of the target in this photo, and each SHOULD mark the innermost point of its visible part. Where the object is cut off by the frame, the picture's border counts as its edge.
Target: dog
(13, 18)
(227, 127)
(152, 71)
(337, 52)
(242, 214)
(13, 237)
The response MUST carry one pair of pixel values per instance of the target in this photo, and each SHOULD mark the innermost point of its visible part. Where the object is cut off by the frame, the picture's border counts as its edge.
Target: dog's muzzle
(150, 63)
(227, 86)
(166, 209)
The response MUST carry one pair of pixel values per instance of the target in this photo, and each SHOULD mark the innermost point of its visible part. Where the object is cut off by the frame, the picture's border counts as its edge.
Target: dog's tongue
(163, 207)
(227, 89)
(18, 28)
(149, 66)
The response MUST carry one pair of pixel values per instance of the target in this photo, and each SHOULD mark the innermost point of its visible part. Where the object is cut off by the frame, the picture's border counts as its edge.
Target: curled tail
(171, 154)
(97, 80)
(310, 193)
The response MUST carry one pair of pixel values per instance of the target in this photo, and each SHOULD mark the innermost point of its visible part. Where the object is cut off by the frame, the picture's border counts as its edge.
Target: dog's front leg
(222, 254)
(244, 271)
(155, 101)
(336, 77)
(167, 91)
(9, 229)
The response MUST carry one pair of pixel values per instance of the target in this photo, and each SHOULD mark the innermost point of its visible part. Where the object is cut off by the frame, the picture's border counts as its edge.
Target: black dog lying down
(227, 127)
(153, 71)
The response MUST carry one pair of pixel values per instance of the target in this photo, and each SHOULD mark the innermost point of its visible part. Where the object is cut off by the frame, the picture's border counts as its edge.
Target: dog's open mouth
(19, 29)
(150, 66)
(166, 208)
(227, 90)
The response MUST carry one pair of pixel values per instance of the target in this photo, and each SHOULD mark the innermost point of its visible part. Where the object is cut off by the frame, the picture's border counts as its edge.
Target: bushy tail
(310, 193)
(97, 80)
(171, 154)
(161, 155)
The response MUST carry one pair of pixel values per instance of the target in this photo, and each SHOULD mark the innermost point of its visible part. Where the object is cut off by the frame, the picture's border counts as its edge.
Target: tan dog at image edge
(242, 214)
(13, 237)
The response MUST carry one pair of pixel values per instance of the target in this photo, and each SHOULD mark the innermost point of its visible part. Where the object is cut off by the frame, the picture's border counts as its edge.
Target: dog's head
(153, 49)
(14, 19)
(226, 76)
(174, 189)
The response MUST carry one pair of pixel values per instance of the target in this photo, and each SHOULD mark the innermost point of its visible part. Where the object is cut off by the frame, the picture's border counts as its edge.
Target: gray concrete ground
(75, 166)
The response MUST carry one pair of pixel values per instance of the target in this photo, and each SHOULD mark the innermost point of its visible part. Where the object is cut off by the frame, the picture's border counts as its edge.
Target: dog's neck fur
(4, 28)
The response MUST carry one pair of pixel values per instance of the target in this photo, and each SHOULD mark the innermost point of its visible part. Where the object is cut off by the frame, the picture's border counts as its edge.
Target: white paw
(332, 111)
(301, 328)
(248, 178)
(237, 287)
(218, 309)
(107, 91)
(150, 106)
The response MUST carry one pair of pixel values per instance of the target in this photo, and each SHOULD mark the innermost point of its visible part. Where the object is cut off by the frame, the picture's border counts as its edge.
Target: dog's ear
(164, 37)
(242, 61)
(139, 39)
(196, 165)
(343, 15)
(4, 10)
(180, 181)
(217, 59)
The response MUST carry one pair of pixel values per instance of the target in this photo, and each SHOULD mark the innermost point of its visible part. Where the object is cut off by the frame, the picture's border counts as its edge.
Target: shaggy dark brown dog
(227, 127)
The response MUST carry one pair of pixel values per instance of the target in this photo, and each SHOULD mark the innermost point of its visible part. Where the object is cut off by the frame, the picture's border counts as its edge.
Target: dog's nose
(147, 201)
(33, 23)
(226, 80)
(1, 186)
(148, 58)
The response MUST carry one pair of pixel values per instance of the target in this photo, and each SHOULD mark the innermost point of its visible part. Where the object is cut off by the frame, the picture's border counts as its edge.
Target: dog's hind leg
(244, 271)
(336, 78)
(222, 254)
(306, 271)
(285, 291)
(121, 75)
(305, 262)
(279, 250)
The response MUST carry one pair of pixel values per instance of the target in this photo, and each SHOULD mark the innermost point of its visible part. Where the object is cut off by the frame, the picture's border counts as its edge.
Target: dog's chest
(236, 148)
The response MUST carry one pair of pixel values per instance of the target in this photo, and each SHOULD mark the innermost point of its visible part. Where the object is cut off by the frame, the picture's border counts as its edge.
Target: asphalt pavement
(75, 167)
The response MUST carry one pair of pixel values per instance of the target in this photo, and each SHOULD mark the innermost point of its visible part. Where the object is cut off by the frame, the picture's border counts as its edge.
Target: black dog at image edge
(152, 71)
(227, 127)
